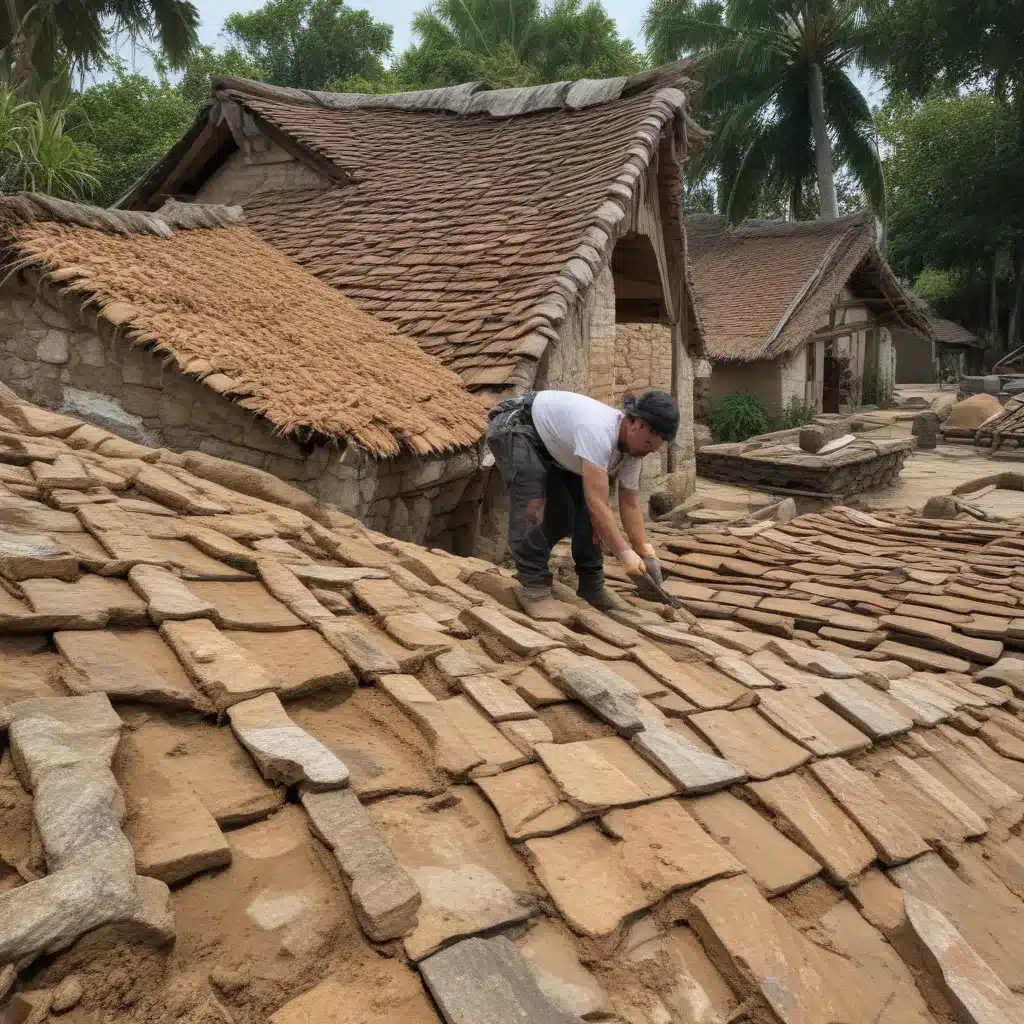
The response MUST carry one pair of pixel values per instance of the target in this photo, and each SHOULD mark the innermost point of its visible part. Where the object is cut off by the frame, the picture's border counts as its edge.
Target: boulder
(972, 412)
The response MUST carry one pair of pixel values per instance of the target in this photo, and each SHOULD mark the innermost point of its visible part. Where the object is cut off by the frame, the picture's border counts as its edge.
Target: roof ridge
(32, 207)
(471, 97)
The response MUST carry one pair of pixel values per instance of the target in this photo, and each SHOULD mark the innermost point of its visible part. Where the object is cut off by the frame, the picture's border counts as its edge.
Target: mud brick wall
(260, 165)
(59, 358)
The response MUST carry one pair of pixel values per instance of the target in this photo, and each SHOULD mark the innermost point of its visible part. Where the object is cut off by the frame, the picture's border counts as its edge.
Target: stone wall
(57, 358)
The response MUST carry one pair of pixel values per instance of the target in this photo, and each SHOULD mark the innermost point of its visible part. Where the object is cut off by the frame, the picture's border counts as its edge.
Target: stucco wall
(915, 359)
(51, 355)
(762, 377)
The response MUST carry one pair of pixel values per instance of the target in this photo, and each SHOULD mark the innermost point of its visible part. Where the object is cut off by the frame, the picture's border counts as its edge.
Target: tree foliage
(42, 37)
(307, 44)
(507, 43)
(758, 58)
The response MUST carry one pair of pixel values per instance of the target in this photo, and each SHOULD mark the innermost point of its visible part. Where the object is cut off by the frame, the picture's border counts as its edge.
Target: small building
(797, 311)
(952, 352)
(526, 238)
(183, 329)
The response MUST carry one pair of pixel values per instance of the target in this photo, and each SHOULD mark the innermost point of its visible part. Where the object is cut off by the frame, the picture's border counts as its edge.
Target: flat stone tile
(248, 606)
(646, 684)
(743, 671)
(690, 768)
(300, 659)
(868, 709)
(528, 803)
(383, 894)
(284, 753)
(382, 597)
(360, 648)
(167, 596)
(607, 629)
(32, 556)
(979, 780)
(597, 774)
(457, 853)
(776, 864)
(536, 689)
(919, 658)
(811, 724)
(216, 664)
(133, 665)
(607, 694)
(818, 825)
(173, 834)
(598, 881)
(487, 981)
(520, 639)
(106, 601)
(764, 954)
(749, 741)
(496, 699)
(705, 687)
(969, 824)
(551, 956)
(497, 752)
(994, 933)
(895, 840)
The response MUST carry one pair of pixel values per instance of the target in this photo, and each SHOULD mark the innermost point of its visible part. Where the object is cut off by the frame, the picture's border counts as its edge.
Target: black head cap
(658, 410)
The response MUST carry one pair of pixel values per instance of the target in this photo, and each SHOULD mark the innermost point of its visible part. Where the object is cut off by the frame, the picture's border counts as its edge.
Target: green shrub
(797, 414)
(737, 417)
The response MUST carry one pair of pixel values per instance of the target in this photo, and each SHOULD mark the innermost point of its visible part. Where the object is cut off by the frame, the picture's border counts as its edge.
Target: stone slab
(811, 724)
(606, 694)
(763, 954)
(607, 629)
(300, 660)
(526, 733)
(919, 658)
(133, 665)
(520, 639)
(597, 881)
(895, 840)
(359, 648)
(705, 687)
(222, 669)
(691, 769)
(776, 864)
(245, 605)
(497, 752)
(932, 789)
(385, 897)
(283, 752)
(992, 930)
(496, 699)
(529, 803)
(536, 689)
(972, 987)
(25, 556)
(95, 599)
(487, 981)
(595, 775)
(817, 824)
(866, 708)
(751, 742)
(745, 673)
(458, 854)
(167, 596)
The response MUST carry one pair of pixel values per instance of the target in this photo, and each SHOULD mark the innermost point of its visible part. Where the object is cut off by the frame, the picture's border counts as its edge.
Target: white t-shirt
(575, 428)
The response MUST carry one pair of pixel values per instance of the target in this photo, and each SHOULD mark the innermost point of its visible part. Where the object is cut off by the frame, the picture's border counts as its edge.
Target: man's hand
(632, 564)
(652, 564)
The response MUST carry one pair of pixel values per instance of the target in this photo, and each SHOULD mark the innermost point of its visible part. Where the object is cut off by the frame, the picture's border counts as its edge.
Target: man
(559, 453)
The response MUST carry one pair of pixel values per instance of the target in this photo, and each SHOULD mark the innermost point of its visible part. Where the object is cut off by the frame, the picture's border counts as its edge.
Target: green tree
(956, 202)
(307, 44)
(42, 37)
(919, 45)
(38, 153)
(780, 97)
(509, 43)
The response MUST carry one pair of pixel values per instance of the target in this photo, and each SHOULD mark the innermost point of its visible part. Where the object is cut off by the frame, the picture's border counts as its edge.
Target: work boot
(538, 603)
(604, 600)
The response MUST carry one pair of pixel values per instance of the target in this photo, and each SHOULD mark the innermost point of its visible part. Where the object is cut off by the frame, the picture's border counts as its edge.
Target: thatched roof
(194, 282)
(762, 288)
(473, 220)
(952, 335)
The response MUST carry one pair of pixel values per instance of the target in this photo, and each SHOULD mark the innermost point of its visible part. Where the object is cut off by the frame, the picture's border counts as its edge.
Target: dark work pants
(546, 503)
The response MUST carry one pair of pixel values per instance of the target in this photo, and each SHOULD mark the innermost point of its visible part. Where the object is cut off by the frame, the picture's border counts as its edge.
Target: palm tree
(509, 43)
(41, 37)
(778, 87)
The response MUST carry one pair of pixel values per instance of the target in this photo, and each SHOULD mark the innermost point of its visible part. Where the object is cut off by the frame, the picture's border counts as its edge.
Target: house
(797, 311)
(526, 238)
(183, 329)
(952, 352)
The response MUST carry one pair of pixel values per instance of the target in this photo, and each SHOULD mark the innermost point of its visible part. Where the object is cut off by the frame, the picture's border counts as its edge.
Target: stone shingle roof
(948, 332)
(762, 287)
(473, 221)
(195, 283)
(797, 802)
